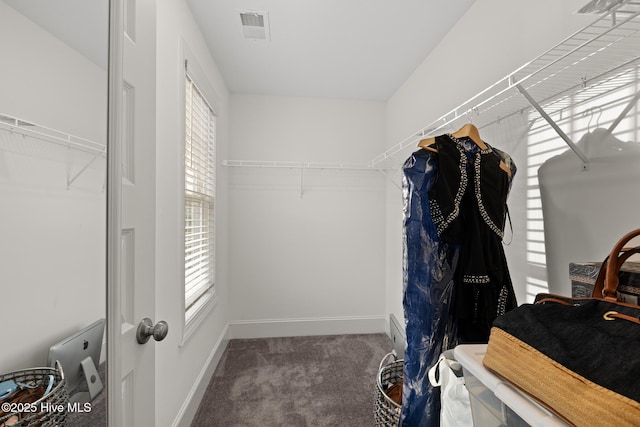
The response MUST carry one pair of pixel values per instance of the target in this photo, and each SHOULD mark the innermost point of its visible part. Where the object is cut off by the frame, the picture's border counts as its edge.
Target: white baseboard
(267, 328)
(192, 401)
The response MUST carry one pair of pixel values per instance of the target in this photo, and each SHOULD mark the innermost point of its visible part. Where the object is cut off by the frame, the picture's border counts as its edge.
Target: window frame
(199, 311)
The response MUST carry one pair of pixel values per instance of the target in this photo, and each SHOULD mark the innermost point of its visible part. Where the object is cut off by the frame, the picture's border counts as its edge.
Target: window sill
(197, 313)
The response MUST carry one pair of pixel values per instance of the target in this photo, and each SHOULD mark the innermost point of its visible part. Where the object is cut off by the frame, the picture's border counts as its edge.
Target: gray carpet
(299, 381)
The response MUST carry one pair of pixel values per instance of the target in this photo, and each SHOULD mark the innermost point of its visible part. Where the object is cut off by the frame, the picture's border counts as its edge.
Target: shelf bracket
(301, 182)
(383, 172)
(72, 179)
(554, 125)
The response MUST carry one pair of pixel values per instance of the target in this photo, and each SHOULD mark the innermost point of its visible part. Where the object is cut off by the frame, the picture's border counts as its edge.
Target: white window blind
(199, 186)
(577, 120)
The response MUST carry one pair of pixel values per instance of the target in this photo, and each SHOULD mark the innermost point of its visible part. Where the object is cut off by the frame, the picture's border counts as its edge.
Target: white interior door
(131, 212)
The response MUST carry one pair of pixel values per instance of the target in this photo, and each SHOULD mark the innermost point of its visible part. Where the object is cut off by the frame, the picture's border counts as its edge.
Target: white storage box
(494, 402)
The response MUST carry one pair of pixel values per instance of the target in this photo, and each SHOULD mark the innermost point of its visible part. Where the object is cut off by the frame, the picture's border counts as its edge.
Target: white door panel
(131, 212)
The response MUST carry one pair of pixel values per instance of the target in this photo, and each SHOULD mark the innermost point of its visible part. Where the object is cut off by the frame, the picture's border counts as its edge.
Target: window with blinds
(582, 117)
(199, 201)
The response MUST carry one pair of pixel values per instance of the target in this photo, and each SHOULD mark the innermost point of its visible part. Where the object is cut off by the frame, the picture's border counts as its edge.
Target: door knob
(147, 330)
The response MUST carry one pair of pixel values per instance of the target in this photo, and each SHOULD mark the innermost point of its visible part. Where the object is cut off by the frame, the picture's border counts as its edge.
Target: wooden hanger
(469, 130)
(427, 144)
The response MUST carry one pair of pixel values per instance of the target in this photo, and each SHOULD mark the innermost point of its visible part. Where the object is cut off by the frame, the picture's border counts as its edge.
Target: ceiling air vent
(255, 25)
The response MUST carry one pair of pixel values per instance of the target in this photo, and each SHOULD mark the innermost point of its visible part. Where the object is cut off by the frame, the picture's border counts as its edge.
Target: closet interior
(297, 251)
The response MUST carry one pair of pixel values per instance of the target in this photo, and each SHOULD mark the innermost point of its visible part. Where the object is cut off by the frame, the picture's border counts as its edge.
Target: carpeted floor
(299, 381)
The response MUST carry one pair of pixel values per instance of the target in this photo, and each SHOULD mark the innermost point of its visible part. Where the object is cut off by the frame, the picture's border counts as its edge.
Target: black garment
(469, 207)
(433, 269)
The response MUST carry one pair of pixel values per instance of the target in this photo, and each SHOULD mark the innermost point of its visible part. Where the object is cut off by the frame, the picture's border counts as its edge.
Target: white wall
(52, 248)
(45, 81)
(182, 371)
(306, 248)
(492, 39)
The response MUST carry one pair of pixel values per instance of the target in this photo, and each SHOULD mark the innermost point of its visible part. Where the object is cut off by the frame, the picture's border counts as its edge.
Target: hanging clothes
(456, 280)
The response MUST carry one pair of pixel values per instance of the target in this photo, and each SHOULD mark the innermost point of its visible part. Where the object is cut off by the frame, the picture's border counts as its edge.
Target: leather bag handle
(599, 283)
(607, 281)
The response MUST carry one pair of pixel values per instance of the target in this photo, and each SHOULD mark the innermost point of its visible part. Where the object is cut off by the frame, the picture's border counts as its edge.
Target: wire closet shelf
(583, 66)
(294, 165)
(28, 128)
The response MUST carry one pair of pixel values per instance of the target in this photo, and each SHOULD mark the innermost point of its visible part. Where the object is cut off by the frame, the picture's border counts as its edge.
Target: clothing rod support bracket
(383, 172)
(70, 180)
(624, 112)
(301, 182)
(554, 125)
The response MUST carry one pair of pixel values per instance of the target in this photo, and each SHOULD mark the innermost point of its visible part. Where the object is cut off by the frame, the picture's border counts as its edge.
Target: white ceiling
(356, 49)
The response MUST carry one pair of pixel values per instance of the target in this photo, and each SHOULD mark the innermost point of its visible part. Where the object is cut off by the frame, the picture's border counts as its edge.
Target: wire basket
(387, 411)
(50, 410)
